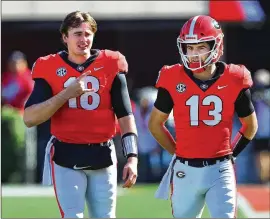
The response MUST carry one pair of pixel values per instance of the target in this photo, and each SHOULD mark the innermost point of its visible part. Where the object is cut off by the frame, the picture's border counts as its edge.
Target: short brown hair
(75, 19)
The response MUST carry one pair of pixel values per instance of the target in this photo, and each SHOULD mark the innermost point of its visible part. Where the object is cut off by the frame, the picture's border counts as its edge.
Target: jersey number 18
(84, 98)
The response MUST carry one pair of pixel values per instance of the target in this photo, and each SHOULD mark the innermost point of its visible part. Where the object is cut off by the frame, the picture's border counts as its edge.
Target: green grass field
(138, 202)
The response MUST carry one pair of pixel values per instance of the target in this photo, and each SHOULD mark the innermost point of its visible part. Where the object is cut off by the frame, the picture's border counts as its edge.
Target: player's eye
(202, 47)
(88, 34)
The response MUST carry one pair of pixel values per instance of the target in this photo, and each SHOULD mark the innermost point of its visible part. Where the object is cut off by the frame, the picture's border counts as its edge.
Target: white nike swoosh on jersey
(96, 69)
(221, 87)
(80, 168)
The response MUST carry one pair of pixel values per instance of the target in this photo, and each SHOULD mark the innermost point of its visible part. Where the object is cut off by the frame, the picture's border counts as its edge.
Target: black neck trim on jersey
(205, 85)
(80, 67)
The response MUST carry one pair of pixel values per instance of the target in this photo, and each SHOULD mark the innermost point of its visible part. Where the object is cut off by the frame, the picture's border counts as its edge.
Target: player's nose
(193, 53)
(196, 52)
(194, 57)
(84, 39)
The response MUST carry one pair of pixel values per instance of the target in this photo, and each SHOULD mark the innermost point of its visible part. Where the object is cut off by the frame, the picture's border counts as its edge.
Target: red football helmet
(201, 29)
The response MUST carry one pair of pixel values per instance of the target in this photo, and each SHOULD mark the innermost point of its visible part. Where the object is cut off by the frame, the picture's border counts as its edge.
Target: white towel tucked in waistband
(47, 173)
(164, 186)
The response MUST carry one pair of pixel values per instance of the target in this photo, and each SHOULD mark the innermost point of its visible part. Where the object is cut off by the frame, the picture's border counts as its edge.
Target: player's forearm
(163, 137)
(249, 131)
(242, 139)
(129, 137)
(127, 125)
(39, 113)
(249, 126)
(246, 133)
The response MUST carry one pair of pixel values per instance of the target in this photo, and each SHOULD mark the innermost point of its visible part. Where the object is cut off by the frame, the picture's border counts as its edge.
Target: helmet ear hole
(184, 48)
(211, 44)
(202, 34)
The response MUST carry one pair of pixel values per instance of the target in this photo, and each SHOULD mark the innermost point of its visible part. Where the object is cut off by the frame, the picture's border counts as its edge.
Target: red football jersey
(88, 118)
(203, 118)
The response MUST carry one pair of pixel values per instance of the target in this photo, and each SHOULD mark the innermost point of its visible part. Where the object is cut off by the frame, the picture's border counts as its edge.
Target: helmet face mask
(198, 30)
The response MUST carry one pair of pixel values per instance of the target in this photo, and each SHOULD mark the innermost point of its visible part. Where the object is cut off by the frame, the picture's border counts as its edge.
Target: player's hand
(77, 87)
(130, 172)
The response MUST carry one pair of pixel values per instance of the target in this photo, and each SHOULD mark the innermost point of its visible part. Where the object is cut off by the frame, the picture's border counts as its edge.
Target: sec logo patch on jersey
(181, 87)
(61, 72)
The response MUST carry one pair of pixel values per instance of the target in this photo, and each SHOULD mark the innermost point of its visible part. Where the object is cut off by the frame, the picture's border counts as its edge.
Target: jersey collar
(205, 85)
(79, 67)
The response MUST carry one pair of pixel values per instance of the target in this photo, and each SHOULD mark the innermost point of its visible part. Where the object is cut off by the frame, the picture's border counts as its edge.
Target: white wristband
(129, 144)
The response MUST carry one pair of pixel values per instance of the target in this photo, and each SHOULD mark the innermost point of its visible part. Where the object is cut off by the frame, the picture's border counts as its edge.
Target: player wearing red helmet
(207, 30)
(204, 93)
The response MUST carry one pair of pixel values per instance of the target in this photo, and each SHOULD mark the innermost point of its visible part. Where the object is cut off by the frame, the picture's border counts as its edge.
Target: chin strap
(198, 71)
(196, 65)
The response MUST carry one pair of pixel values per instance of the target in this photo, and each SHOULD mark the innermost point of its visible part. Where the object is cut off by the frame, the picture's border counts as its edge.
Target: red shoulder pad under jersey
(119, 60)
(163, 76)
(40, 67)
(241, 75)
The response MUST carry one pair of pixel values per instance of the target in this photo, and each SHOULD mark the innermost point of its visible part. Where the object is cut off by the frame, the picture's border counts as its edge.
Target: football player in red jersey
(203, 93)
(83, 91)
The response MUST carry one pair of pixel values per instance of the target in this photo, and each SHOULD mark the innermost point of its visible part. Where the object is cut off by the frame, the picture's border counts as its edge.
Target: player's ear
(64, 37)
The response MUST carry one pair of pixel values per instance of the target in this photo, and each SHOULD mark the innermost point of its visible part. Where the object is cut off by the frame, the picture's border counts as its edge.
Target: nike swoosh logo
(80, 168)
(96, 69)
(222, 170)
(221, 87)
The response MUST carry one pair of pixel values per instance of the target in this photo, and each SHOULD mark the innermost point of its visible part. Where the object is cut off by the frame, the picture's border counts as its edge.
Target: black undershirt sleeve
(243, 104)
(42, 91)
(120, 96)
(164, 101)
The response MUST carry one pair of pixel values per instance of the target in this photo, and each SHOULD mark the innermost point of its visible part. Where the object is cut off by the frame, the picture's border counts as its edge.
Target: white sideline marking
(36, 191)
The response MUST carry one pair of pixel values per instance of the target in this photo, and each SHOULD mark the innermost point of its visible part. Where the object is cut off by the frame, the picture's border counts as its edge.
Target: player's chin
(83, 52)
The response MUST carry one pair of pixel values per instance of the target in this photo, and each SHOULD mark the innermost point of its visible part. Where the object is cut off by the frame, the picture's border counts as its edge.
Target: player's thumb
(83, 75)
(89, 90)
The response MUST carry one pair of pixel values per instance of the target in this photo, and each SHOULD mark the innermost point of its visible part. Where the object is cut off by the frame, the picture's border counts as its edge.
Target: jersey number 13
(194, 103)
